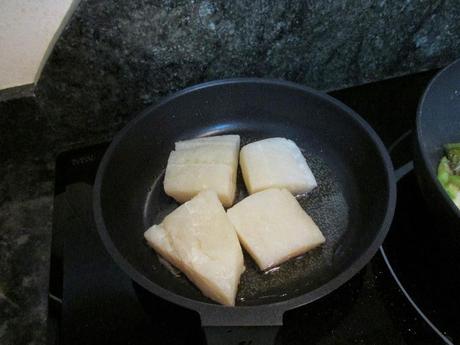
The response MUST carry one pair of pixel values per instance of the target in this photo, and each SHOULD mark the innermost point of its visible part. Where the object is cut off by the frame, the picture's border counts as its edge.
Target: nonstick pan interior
(353, 204)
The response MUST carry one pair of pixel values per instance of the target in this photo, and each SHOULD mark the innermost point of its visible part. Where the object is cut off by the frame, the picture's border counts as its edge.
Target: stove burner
(92, 302)
(421, 262)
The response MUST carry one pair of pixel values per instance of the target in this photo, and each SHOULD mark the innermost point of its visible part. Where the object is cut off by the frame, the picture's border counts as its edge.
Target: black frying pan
(438, 123)
(353, 204)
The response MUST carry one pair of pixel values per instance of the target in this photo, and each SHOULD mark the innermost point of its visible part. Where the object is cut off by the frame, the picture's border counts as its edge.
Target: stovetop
(405, 295)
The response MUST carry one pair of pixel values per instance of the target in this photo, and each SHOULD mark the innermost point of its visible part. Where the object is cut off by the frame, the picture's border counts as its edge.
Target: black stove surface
(389, 302)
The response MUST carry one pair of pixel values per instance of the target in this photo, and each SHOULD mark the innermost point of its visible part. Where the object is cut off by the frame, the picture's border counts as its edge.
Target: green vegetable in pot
(453, 154)
(449, 172)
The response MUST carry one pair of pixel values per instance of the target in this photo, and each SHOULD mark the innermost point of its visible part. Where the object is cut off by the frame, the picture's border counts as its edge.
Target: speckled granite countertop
(115, 58)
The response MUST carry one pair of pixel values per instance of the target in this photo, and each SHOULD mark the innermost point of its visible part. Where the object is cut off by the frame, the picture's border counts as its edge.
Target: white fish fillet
(199, 239)
(201, 164)
(273, 227)
(275, 163)
(207, 154)
(184, 181)
(232, 140)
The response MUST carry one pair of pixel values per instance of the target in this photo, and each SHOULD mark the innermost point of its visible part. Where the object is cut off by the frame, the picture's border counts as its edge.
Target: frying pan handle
(241, 326)
(241, 335)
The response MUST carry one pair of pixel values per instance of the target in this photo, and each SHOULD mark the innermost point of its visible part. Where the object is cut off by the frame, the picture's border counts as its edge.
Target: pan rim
(278, 307)
(419, 136)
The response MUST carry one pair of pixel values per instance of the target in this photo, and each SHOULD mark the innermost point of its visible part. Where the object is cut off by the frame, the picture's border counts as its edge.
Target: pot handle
(241, 335)
(403, 170)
